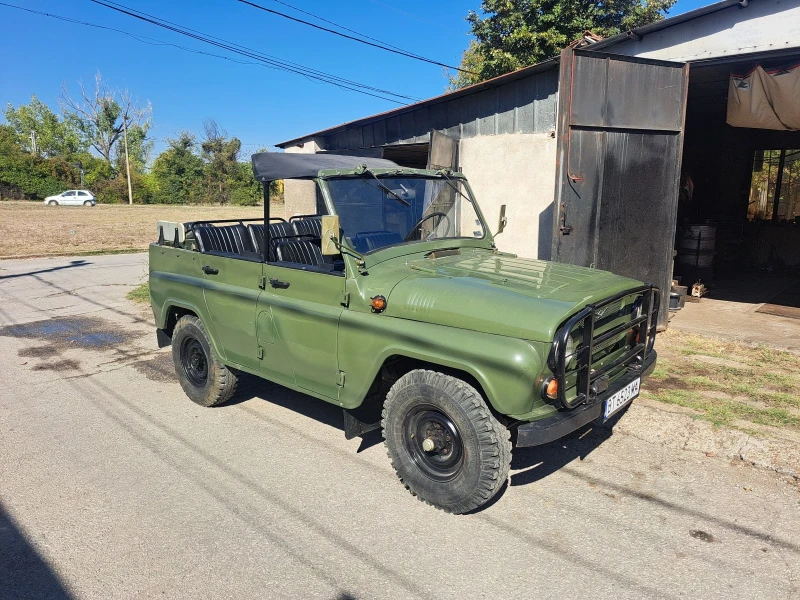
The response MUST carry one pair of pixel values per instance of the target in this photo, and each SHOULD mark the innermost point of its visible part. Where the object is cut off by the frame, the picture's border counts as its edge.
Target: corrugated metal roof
(519, 74)
(466, 91)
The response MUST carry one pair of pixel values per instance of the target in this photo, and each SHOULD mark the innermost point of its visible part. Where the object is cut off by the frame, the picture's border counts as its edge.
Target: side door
(231, 288)
(68, 198)
(619, 157)
(304, 306)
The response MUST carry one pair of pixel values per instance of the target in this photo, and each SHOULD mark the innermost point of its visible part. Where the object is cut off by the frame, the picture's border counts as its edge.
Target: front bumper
(565, 422)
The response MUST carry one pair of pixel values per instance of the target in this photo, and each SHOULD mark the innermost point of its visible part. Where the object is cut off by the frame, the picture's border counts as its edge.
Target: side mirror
(501, 225)
(330, 235)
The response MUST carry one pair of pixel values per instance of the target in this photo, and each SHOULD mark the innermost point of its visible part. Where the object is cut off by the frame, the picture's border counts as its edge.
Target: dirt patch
(158, 368)
(33, 229)
(66, 364)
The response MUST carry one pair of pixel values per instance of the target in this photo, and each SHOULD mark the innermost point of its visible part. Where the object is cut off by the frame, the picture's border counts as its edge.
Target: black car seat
(299, 251)
(233, 239)
(308, 226)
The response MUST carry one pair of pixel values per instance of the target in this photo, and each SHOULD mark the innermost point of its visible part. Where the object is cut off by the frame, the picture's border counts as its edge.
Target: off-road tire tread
(494, 438)
(223, 379)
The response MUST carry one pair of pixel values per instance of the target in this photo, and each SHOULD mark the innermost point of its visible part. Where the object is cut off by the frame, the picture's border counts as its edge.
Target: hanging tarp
(765, 99)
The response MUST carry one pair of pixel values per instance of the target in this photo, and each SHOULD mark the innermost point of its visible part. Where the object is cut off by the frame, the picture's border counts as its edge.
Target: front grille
(610, 339)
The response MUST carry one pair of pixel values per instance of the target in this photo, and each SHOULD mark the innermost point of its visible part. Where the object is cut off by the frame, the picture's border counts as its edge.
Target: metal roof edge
(640, 32)
(545, 65)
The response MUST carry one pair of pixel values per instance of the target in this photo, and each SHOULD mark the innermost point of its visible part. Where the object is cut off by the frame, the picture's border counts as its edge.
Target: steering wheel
(419, 223)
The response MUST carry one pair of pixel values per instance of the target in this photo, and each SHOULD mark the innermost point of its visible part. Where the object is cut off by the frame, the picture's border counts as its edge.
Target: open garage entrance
(738, 221)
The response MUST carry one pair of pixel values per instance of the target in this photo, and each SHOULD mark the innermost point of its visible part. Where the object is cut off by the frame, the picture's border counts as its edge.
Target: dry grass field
(30, 229)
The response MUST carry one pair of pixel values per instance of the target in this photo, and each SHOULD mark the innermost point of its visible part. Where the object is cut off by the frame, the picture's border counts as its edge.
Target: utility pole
(127, 160)
(33, 142)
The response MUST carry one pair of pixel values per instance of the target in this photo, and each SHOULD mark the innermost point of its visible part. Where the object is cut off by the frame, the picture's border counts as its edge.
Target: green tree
(178, 172)
(518, 33)
(139, 150)
(54, 136)
(27, 175)
(100, 113)
(221, 156)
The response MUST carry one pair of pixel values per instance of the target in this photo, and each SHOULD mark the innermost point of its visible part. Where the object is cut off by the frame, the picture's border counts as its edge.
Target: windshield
(378, 212)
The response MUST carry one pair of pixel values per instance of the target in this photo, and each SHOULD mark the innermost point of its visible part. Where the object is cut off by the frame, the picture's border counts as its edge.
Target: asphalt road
(114, 485)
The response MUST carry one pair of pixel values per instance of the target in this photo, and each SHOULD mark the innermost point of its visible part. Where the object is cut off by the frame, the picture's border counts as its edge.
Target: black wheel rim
(194, 362)
(444, 460)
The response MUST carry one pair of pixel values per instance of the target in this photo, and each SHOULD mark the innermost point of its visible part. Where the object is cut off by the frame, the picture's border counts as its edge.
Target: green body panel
(457, 303)
(231, 296)
(305, 316)
(176, 281)
(507, 369)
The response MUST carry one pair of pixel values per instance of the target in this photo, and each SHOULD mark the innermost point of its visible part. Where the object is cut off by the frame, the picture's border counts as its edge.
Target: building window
(775, 186)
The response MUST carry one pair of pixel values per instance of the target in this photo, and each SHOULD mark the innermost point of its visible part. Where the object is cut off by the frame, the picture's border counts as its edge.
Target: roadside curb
(647, 422)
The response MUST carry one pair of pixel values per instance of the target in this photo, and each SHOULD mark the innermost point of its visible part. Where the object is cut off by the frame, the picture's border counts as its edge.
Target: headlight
(569, 353)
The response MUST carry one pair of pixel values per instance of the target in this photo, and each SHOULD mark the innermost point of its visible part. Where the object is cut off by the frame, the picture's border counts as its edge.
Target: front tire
(52, 203)
(444, 443)
(203, 377)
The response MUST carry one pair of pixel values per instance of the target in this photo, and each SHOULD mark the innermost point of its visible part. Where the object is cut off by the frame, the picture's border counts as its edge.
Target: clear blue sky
(260, 106)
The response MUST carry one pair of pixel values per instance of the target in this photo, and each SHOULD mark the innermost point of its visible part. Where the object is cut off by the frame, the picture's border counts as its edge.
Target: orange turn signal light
(378, 304)
(551, 388)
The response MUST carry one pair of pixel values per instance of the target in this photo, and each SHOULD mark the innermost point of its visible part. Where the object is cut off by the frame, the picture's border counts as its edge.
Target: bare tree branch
(100, 113)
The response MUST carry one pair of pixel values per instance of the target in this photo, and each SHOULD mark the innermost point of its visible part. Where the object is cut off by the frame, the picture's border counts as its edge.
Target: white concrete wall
(518, 170)
(764, 25)
(300, 197)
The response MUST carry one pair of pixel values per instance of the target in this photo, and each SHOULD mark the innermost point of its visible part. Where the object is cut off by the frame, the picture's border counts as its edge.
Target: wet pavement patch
(70, 332)
(157, 368)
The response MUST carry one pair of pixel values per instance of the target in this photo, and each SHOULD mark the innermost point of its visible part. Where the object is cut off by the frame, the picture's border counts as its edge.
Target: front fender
(507, 369)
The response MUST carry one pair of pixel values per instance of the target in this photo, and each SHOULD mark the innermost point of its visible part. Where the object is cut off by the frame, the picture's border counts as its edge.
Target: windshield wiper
(454, 186)
(386, 189)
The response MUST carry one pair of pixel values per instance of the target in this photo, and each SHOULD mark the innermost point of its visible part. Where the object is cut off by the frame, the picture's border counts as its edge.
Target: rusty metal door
(619, 158)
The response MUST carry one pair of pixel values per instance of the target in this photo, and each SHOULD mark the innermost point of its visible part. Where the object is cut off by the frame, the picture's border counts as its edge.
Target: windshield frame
(485, 241)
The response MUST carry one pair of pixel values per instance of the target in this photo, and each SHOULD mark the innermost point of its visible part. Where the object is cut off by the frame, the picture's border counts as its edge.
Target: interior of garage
(738, 227)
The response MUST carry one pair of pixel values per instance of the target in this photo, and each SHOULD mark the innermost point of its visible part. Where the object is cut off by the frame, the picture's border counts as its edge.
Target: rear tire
(444, 443)
(87, 203)
(203, 377)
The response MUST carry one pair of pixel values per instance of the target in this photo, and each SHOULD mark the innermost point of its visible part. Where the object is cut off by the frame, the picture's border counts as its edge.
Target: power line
(305, 12)
(250, 53)
(381, 45)
(138, 38)
(309, 74)
(413, 16)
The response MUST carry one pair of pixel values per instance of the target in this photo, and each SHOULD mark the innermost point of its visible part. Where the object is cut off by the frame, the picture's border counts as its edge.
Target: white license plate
(621, 398)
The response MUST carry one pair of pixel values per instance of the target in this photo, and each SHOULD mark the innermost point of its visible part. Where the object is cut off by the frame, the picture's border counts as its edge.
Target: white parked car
(72, 198)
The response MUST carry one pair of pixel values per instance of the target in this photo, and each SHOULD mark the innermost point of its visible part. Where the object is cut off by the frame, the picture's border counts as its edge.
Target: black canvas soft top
(271, 166)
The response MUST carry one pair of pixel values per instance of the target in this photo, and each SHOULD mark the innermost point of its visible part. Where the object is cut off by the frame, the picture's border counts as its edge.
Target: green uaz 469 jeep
(394, 303)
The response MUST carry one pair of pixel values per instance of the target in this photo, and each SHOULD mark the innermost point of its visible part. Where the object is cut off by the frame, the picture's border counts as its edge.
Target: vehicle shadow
(537, 462)
(532, 464)
(251, 387)
(24, 573)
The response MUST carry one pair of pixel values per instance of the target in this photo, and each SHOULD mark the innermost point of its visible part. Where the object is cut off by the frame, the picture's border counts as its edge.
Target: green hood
(499, 294)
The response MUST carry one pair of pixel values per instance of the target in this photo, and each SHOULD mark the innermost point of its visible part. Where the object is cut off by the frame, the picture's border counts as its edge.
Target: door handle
(210, 270)
(277, 283)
